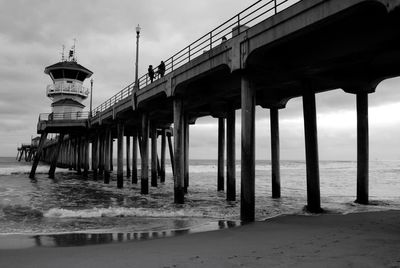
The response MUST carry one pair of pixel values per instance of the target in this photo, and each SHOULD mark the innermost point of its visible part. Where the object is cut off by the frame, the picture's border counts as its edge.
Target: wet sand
(355, 240)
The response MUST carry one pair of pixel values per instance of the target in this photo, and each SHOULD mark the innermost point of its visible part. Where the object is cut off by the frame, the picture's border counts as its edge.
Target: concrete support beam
(68, 154)
(128, 156)
(186, 154)
(86, 157)
(101, 153)
(134, 157)
(36, 159)
(144, 180)
(163, 148)
(171, 153)
(73, 154)
(247, 200)
(111, 153)
(153, 136)
(79, 155)
(362, 148)
(55, 156)
(95, 156)
(221, 154)
(120, 155)
(179, 133)
(230, 156)
(312, 164)
(107, 155)
(275, 165)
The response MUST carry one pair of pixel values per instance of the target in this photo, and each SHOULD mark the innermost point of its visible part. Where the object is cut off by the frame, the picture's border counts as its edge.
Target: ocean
(89, 210)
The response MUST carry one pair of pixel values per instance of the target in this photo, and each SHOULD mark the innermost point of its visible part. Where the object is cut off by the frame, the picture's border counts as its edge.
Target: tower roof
(68, 69)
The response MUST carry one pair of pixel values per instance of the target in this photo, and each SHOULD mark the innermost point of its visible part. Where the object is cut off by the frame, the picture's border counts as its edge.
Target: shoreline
(105, 236)
(368, 239)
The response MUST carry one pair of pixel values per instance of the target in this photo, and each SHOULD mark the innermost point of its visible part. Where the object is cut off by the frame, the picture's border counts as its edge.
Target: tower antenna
(62, 53)
(74, 48)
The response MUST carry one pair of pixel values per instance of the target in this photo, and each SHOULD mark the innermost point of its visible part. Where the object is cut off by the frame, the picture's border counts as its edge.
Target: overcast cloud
(33, 32)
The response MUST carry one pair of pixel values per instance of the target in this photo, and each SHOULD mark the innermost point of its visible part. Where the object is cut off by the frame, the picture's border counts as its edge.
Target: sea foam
(15, 170)
(118, 212)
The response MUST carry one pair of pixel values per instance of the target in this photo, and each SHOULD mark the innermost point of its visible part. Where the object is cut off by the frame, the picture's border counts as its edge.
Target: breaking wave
(119, 212)
(26, 169)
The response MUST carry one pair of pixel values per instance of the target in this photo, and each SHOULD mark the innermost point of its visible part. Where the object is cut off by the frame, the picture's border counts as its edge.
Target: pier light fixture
(137, 56)
(91, 96)
(138, 29)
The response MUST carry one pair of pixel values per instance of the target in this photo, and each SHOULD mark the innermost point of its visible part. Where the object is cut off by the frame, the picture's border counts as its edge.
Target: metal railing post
(275, 7)
(210, 40)
(189, 52)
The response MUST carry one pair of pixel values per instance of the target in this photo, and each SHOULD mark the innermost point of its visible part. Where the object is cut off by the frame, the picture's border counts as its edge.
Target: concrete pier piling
(144, 178)
(86, 156)
(120, 155)
(158, 166)
(79, 155)
(186, 154)
(134, 178)
(128, 155)
(179, 144)
(55, 156)
(171, 153)
(107, 155)
(74, 156)
(163, 148)
(312, 162)
(275, 159)
(153, 137)
(95, 156)
(221, 155)
(230, 156)
(362, 148)
(247, 193)
(36, 159)
(101, 153)
(112, 153)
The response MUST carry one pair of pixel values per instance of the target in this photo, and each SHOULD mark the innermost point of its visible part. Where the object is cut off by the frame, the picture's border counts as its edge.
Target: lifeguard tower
(67, 118)
(67, 91)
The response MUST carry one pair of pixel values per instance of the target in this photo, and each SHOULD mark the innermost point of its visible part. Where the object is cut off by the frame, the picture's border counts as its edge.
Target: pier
(269, 53)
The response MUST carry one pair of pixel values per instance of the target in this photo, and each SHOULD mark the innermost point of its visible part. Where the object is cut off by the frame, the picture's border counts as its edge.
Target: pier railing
(248, 17)
(63, 116)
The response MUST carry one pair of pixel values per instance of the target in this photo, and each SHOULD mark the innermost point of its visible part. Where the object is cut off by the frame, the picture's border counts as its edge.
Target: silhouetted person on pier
(151, 73)
(161, 69)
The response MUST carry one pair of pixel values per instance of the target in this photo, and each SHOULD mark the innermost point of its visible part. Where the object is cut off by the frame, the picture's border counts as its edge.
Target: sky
(32, 34)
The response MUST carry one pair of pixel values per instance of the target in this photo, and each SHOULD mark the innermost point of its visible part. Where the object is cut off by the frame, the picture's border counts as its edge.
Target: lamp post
(91, 96)
(137, 56)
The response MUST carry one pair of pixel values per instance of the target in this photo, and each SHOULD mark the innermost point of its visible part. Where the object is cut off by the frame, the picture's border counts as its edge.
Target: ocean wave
(21, 212)
(26, 169)
(214, 168)
(20, 170)
(120, 212)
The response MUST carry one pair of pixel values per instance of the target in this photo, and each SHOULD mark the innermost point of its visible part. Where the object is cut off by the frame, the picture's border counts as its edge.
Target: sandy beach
(354, 240)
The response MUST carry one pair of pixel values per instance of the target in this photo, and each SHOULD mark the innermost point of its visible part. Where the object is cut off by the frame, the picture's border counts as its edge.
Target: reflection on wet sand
(84, 239)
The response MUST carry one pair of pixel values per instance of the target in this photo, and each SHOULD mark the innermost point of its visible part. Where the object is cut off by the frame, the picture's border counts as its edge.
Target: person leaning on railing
(151, 73)
(161, 69)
